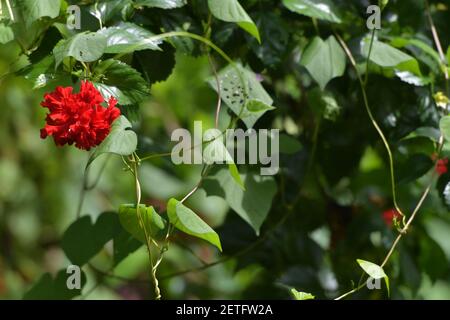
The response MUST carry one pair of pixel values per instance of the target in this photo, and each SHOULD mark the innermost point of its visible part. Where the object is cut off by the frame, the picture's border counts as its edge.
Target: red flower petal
(79, 118)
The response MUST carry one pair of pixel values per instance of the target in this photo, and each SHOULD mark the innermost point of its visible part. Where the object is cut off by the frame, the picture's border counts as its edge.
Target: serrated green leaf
(232, 11)
(121, 140)
(324, 60)
(128, 37)
(33, 10)
(320, 9)
(122, 81)
(185, 220)
(154, 224)
(86, 47)
(301, 295)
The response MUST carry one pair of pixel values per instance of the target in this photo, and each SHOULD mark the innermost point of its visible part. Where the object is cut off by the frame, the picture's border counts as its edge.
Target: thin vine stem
(372, 118)
(441, 141)
(134, 164)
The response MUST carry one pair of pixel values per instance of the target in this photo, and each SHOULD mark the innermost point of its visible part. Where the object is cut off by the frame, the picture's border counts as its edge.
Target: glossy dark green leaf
(320, 9)
(232, 11)
(163, 4)
(274, 39)
(128, 37)
(121, 81)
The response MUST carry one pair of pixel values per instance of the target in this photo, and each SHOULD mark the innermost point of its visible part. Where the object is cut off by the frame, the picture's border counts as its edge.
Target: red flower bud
(389, 215)
(442, 166)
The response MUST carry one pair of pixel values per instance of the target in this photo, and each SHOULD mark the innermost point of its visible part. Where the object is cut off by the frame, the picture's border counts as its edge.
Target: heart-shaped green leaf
(185, 220)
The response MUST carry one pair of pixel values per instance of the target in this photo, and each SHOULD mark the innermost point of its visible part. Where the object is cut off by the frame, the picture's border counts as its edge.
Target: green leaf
(274, 36)
(444, 125)
(154, 224)
(185, 220)
(108, 10)
(400, 42)
(215, 152)
(121, 140)
(289, 145)
(42, 74)
(122, 81)
(374, 271)
(86, 47)
(6, 34)
(32, 10)
(324, 60)
(83, 240)
(128, 37)
(414, 167)
(163, 4)
(234, 172)
(323, 104)
(124, 244)
(320, 9)
(383, 54)
(238, 87)
(253, 204)
(301, 295)
(256, 106)
(232, 11)
(49, 288)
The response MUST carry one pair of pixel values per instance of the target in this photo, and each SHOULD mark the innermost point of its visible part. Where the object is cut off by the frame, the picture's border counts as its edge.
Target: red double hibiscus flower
(78, 118)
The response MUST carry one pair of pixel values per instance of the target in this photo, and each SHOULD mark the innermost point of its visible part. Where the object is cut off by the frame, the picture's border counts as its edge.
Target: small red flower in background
(442, 166)
(78, 117)
(389, 215)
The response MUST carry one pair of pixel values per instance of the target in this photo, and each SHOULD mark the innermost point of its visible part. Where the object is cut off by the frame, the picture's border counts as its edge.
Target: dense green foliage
(363, 117)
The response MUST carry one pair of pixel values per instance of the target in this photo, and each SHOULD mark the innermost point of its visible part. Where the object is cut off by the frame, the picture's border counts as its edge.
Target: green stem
(362, 84)
(134, 164)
